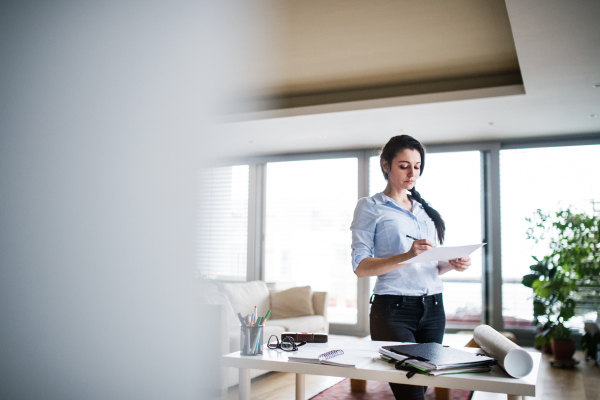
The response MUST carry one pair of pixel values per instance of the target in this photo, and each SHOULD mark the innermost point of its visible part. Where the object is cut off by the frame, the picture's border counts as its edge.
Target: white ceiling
(558, 49)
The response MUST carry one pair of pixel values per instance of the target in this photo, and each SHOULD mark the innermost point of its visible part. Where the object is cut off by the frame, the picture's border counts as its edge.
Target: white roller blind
(223, 222)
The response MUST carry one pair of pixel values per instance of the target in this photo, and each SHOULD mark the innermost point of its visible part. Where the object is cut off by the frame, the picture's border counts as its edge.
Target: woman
(407, 302)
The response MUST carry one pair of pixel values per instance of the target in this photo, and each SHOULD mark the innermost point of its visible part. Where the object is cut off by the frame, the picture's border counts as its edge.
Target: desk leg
(513, 397)
(300, 394)
(244, 385)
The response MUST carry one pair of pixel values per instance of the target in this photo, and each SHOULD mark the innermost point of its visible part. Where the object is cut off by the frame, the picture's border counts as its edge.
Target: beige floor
(282, 386)
(582, 383)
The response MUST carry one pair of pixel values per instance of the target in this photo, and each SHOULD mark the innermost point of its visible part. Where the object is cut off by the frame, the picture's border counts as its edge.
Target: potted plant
(573, 265)
(553, 304)
(563, 347)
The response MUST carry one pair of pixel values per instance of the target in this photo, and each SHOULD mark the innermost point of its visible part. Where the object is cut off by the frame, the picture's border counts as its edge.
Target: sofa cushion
(245, 296)
(291, 303)
(311, 323)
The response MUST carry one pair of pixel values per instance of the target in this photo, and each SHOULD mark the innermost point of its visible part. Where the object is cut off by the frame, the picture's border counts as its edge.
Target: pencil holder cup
(251, 340)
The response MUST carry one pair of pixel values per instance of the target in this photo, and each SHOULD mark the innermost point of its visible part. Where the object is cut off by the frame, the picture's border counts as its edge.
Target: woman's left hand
(461, 264)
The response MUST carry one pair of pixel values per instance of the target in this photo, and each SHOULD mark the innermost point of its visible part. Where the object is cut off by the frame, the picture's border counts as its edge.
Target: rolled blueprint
(515, 361)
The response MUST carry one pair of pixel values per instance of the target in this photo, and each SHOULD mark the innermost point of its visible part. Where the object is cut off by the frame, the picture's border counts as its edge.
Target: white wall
(103, 126)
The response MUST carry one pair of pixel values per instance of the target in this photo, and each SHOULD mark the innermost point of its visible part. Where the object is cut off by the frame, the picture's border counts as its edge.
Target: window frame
(490, 228)
(257, 224)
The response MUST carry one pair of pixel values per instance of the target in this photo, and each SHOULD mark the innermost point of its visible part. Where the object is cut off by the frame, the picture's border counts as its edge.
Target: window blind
(223, 222)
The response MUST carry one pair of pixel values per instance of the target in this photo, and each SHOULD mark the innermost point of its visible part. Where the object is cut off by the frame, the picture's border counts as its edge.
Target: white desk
(496, 381)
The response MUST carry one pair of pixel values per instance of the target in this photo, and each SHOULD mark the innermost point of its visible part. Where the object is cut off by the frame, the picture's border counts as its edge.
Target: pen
(257, 333)
(242, 319)
(410, 237)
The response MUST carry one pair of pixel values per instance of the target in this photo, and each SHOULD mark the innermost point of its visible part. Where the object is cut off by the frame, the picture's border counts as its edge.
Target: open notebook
(328, 356)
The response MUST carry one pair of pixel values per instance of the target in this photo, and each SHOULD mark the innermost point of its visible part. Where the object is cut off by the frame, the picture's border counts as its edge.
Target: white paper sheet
(444, 253)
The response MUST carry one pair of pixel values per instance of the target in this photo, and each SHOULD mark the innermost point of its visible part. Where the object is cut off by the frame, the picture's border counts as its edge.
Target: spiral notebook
(335, 357)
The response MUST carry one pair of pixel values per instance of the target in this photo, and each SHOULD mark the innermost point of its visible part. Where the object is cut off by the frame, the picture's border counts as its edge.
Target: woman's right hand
(418, 247)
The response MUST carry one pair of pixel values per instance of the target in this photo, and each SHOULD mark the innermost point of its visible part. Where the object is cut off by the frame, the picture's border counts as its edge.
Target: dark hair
(389, 152)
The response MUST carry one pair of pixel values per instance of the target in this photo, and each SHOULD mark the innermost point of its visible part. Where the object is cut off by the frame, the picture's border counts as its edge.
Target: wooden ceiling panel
(340, 50)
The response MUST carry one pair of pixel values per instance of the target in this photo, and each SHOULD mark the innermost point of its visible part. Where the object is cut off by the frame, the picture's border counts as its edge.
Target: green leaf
(542, 289)
(561, 332)
(541, 268)
(529, 279)
(541, 340)
(567, 311)
(539, 308)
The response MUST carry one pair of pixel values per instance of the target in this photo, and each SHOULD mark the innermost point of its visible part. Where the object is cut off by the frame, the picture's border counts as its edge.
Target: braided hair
(389, 152)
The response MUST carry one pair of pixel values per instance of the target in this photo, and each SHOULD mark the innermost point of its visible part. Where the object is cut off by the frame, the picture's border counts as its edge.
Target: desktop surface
(497, 380)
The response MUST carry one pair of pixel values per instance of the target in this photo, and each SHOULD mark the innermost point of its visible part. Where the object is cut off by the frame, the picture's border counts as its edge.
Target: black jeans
(419, 319)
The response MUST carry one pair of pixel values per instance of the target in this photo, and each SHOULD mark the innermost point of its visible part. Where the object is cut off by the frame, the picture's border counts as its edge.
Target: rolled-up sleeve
(363, 231)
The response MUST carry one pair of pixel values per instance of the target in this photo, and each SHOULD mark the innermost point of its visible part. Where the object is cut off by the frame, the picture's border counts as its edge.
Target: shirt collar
(381, 198)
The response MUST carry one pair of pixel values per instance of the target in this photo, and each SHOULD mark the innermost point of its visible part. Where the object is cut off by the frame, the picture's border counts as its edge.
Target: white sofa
(285, 306)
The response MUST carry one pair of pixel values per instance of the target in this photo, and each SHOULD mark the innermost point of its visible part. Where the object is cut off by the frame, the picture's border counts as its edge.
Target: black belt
(436, 296)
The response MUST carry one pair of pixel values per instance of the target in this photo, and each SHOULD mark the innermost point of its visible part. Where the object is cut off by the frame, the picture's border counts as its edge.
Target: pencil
(266, 317)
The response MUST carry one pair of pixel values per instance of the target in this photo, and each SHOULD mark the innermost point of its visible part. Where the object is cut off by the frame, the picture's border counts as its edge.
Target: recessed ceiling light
(597, 85)
(491, 123)
(251, 142)
(592, 115)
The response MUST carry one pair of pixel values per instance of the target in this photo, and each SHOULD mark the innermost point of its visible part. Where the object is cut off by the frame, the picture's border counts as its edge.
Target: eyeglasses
(287, 344)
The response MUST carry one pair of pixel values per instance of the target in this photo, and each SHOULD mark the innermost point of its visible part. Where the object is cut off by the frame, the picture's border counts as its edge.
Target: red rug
(379, 391)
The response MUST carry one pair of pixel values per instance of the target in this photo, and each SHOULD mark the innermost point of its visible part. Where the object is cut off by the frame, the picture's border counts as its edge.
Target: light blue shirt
(379, 229)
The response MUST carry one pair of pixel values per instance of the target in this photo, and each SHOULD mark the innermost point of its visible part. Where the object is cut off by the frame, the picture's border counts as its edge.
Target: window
(304, 214)
(309, 208)
(222, 237)
(456, 193)
(549, 179)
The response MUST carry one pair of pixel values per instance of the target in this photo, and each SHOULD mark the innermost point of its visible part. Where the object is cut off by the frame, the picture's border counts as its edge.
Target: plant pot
(563, 349)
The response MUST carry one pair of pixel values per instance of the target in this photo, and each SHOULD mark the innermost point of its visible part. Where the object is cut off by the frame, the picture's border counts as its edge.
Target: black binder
(435, 356)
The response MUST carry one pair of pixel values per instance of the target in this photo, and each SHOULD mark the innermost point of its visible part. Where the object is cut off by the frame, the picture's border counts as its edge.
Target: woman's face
(405, 169)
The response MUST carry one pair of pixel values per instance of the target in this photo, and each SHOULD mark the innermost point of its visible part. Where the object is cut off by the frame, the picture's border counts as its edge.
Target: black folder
(435, 356)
